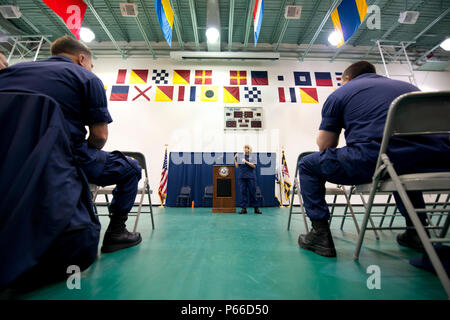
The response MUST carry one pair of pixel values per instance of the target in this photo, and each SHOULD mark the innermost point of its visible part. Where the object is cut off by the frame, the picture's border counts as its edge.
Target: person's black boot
(410, 238)
(257, 211)
(117, 236)
(319, 239)
(243, 211)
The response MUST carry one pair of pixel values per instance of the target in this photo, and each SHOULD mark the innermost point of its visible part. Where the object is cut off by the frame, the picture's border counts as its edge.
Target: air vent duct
(129, 9)
(10, 12)
(292, 12)
(408, 17)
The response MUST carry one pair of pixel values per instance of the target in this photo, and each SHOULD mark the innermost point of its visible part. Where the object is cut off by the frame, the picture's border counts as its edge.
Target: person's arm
(327, 139)
(235, 162)
(3, 61)
(253, 165)
(96, 114)
(331, 124)
(98, 135)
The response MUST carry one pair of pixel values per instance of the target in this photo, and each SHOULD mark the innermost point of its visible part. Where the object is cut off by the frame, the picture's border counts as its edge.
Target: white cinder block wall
(146, 126)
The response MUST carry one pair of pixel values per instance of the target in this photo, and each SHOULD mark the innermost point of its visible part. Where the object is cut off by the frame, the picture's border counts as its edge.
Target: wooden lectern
(224, 198)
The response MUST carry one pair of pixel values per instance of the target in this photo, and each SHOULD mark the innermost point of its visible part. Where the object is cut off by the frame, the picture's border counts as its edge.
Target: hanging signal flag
(347, 18)
(119, 93)
(165, 16)
(209, 93)
(138, 76)
(257, 18)
(164, 93)
(282, 97)
(231, 95)
(238, 78)
(121, 75)
(181, 76)
(71, 11)
(309, 95)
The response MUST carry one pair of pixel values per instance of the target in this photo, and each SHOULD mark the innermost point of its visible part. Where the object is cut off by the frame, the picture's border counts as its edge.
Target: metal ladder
(400, 49)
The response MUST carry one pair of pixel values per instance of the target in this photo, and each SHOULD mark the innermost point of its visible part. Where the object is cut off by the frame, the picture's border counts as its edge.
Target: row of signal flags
(237, 77)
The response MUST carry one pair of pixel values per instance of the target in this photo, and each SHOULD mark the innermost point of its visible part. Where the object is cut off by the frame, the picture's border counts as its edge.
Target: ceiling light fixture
(212, 34)
(334, 38)
(446, 44)
(86, 35)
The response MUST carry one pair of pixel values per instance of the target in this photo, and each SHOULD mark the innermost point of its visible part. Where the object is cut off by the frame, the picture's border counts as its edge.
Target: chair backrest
(140, 158)
(185, 190)
(300, 156)
(417, 113)
(209, 190)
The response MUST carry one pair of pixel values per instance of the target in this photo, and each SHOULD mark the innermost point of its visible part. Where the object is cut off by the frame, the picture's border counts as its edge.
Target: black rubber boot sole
(323, 251)
(414, 246)
(119, 246)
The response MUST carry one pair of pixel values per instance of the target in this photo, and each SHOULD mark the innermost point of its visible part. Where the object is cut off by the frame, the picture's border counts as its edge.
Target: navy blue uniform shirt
(245, 171)
(79, 92)
(360, 107)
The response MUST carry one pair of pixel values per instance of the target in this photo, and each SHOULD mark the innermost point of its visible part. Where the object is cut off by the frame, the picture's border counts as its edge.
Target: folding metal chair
(143, 189)
(335, 192)
(208, 194)
(259, 197)
(416, 113)
(185, 193)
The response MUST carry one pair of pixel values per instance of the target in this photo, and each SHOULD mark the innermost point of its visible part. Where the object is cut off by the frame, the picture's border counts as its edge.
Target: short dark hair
(358, 68)
(69, 45)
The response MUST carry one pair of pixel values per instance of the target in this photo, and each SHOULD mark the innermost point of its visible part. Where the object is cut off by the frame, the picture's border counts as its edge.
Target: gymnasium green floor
(194, 254)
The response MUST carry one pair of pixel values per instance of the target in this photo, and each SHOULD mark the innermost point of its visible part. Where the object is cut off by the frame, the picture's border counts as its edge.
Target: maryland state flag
(231, 95)
(209, 93)
(285, 177)
(181, 76)
(347, 18)
(71, 12)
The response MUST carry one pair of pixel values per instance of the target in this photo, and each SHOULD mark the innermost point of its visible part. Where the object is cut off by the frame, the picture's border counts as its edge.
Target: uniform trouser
(317, 168)
(247, 190)
(123, 172)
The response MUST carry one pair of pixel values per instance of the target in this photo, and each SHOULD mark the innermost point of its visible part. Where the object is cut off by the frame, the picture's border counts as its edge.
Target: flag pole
(281, 179)
(162, 201)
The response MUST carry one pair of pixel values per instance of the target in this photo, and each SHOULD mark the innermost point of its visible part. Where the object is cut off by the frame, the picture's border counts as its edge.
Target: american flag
(162, 191)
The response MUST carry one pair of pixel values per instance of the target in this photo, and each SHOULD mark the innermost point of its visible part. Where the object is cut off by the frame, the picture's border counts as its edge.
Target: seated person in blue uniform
(247, 180)
(360, 107)
(3, 61)
(67, 78)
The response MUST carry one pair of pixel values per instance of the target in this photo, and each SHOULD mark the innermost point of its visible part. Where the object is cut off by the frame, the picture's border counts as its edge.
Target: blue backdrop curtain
(195, 169)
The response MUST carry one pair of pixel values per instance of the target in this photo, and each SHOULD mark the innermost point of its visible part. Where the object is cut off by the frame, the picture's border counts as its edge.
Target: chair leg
(151, 207)
(429, 249)
(303, 209)
(349, 205)
(332, 210)
(347, 199)
(386, 207)
(445, 227)
(138, 214)
(370, 219)
(368, 208)
(292, 204)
